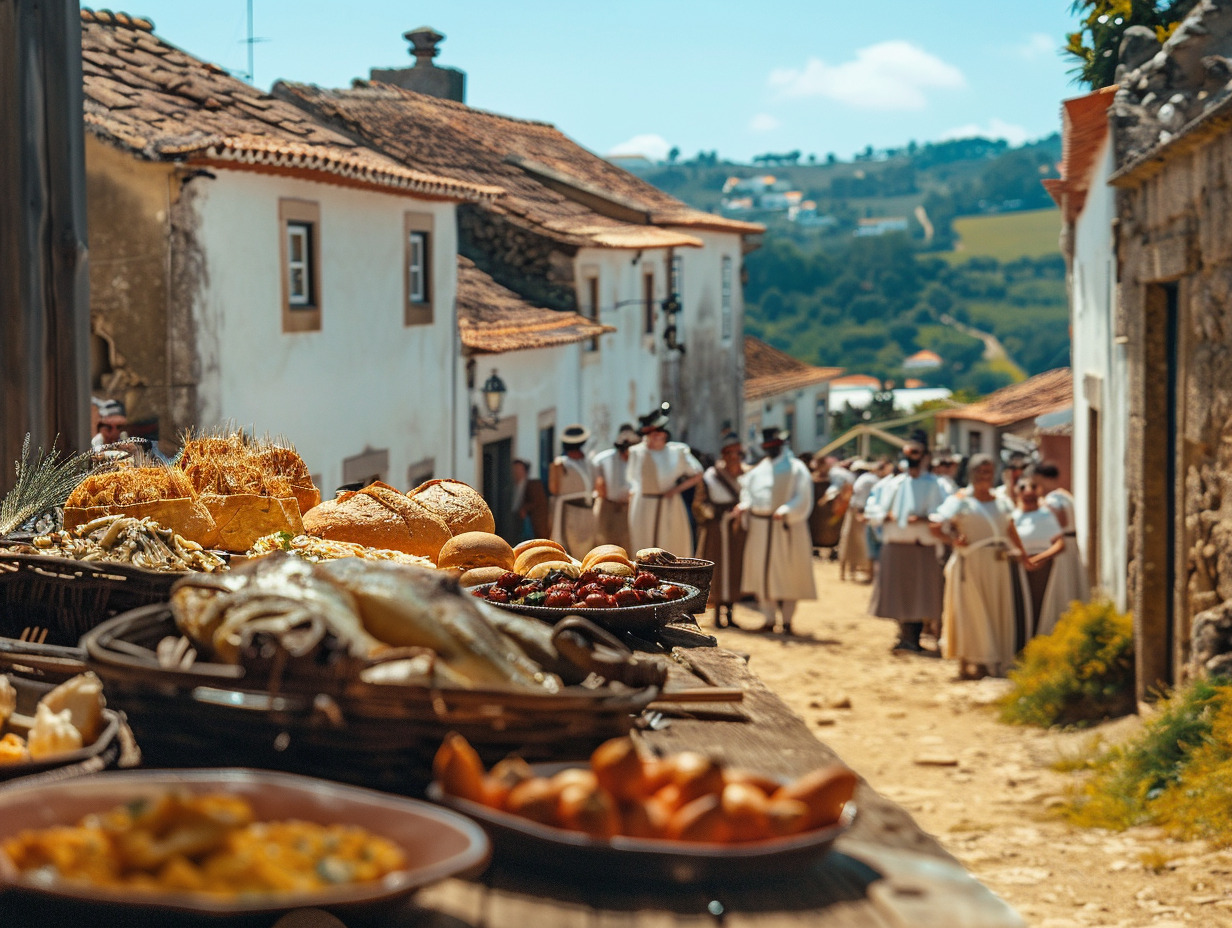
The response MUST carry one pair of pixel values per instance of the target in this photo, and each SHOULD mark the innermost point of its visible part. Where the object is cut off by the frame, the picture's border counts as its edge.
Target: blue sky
(643, 75)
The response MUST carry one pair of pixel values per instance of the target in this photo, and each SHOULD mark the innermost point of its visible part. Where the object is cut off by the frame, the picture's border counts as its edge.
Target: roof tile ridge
(451, 104)
(108, 18)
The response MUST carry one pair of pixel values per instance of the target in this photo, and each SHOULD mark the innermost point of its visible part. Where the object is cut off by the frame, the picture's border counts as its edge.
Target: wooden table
(883, 873)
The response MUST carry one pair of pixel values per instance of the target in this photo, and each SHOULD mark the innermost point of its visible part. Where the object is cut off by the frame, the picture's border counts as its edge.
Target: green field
(1006, 236)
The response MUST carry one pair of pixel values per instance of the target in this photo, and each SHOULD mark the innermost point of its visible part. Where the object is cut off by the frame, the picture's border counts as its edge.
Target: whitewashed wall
(365, 380)
(709, 377)
(1100, 379)
(620, 381)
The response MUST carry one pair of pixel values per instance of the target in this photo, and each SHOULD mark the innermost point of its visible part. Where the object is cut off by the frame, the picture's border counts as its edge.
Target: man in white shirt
(910, 582)
(612, 490)
(776, 498)
(571, 482)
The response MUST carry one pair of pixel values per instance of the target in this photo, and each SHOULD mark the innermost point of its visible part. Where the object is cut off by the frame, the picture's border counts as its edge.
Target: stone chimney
(425, 77)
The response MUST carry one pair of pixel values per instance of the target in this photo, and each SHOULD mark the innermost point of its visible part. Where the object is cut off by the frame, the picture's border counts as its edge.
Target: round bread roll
(458, 505)
(610, 558)
(539, 571)
(529, 558)
(615, 568)
(378, 516)
(600, 550)
(476, 549)
(477, 576)
(537, 543)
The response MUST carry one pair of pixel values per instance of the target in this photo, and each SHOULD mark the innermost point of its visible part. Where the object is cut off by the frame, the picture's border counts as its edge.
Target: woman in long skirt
(983, 623)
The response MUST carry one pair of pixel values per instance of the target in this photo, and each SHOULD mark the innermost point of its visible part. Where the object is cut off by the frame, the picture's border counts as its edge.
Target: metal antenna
(250, 41)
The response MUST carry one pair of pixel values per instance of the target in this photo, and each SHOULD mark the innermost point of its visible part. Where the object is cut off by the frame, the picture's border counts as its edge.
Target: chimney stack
(425, 77)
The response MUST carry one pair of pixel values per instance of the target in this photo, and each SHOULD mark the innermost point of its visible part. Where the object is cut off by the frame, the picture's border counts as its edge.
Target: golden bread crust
(476, 549)
(459, 505)
(378, 516)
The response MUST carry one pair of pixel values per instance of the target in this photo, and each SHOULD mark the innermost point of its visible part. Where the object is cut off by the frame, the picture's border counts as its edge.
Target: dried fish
(123, 539)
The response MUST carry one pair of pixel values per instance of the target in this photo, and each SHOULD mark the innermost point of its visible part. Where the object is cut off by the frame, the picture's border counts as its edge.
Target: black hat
(656, 420)
(109, 408)
(574, 435)
(774, 436)
(728, 439)
(918, 437)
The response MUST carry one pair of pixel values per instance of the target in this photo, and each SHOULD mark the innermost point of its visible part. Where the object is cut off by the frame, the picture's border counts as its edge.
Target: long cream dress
(978, 620)
(655, 520)
(1068, 581)
(573, 517)
(778, 554)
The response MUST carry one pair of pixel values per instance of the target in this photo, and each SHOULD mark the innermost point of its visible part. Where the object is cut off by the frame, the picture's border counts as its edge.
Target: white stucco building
(251, 267)
(1101, 385)
(573, 234)
(786, 393)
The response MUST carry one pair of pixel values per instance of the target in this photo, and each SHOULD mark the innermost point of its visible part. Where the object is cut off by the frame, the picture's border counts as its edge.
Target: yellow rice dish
(202, 844)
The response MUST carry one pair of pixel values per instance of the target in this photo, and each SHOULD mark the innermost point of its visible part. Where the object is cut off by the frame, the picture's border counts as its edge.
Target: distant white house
(762, 183)
(780, 199)
(923, 360)
(1101, 387)
(880, 226)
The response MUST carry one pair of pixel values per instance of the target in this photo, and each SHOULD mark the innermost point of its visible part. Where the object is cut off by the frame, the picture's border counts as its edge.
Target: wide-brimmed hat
(774, 436)
(728, 439)
(575, 435)
(655, 420)
(627, 435)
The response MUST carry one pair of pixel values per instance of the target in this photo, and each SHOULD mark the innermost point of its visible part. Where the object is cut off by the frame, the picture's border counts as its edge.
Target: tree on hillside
(1097, 43)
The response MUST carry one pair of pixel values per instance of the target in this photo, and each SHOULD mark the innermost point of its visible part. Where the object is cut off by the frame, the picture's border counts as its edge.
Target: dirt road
(987, 791)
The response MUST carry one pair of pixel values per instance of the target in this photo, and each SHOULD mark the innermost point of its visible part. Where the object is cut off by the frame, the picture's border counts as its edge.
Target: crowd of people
(982, 567)
(951, 554)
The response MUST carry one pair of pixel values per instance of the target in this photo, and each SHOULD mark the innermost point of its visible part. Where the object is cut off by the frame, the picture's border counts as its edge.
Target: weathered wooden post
(44, 284)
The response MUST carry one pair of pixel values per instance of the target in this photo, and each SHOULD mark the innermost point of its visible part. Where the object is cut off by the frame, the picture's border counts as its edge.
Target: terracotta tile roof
(768, 371)
(552, 185)
(1035, 396)
(493, 319)
(856, 380)
(1085, 122)
(162, 104)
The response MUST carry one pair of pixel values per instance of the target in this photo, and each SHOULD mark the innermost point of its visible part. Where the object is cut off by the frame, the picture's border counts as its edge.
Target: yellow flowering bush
(1177, 773)
(1082, 672)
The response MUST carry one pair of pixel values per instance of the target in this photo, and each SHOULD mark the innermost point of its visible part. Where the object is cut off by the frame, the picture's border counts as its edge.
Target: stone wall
(1175, 232)
(531, 265)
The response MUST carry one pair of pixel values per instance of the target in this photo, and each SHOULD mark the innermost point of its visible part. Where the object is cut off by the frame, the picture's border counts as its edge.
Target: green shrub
(1174, 773)
(1082, 672)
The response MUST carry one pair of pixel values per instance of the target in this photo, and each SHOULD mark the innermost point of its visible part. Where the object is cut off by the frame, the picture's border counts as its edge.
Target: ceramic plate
(437, 843)
(519, 842)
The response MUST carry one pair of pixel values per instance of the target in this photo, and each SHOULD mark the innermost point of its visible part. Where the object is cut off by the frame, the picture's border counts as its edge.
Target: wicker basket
(68, 597)
(377, 735)
(693, 571)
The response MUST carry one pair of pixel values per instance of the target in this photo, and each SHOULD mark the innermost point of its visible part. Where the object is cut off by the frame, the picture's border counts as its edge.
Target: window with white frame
(299, 263)
(592, 309)
(417, 267)
(417, 229)
(821, 424)
(725, 306)
(677, 279)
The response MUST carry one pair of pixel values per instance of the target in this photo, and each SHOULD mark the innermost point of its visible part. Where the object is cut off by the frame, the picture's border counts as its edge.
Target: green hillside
(1006, 236)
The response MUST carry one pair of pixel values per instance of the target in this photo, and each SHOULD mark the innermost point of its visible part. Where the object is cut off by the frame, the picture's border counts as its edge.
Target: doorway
(498, 483)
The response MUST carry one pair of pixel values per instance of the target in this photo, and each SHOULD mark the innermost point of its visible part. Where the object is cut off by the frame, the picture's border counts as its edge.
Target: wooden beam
(44, 285)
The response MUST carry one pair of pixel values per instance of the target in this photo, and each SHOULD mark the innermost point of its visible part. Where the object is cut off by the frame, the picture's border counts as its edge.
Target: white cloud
(653, 146)
(995, 129)
(1037, 45)
(891, 75)
(764, 122)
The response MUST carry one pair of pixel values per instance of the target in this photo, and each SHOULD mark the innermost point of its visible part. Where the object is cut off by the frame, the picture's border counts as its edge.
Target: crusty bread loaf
(605, 553)
(476, 549)
(380, 517)
(458, 505)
